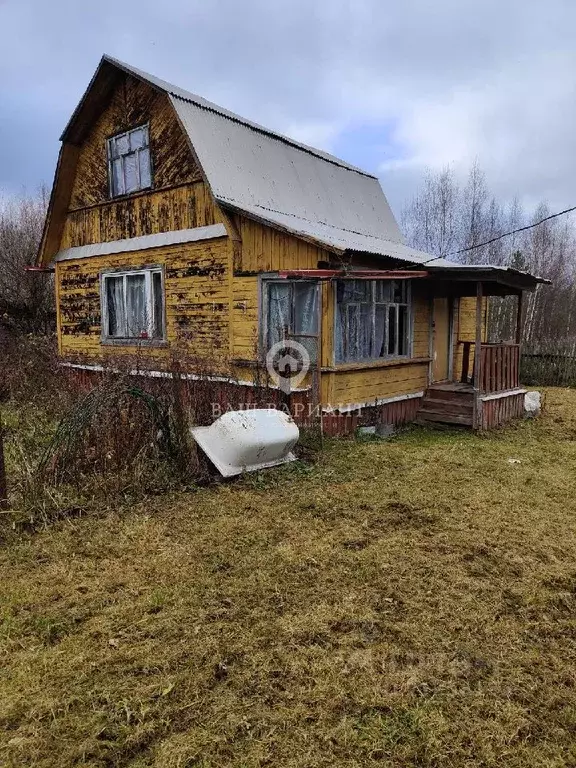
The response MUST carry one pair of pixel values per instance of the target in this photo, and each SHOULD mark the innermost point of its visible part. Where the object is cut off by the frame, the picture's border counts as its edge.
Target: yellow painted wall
(211, 286)
(466, 330)
(182, 207)
(82, 211)
(131, 104)
(196, 297)
(267, 250)
(369, 384)
(245, 317)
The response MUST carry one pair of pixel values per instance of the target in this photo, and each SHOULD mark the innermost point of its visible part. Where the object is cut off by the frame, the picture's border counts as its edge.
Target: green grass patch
(408, 602)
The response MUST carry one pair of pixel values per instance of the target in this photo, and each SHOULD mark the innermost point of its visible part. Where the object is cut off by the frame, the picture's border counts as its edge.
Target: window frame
(373, 304)
(264, 298)
(146, 128)
(148, 271)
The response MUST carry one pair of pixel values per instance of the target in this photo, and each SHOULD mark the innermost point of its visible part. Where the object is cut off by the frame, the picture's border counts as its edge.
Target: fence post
(3, 485)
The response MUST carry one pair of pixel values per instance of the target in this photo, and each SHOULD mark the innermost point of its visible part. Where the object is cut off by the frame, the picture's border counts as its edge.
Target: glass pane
(137, 139)
(137, 321)
(365, 334)
(379, 349)
(352, 336)
(112, 149)
(117, 178)
(122, 145)
(358, 290)
(403, 328)
(305, 308)
(115, 306)
(399, 291)
(392, 330)
(158, 303)
(131, 173)
(145, 174)
(278, 311)
(382, 290)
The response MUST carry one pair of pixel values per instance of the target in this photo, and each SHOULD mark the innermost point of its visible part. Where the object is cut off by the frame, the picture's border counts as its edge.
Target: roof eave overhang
(274, 225)
(505, 279)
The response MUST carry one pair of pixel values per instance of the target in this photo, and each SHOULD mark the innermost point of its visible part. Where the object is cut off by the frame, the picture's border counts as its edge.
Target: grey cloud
(493, 80)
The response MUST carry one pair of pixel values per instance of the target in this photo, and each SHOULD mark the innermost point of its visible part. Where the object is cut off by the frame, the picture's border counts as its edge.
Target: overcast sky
(394, 87)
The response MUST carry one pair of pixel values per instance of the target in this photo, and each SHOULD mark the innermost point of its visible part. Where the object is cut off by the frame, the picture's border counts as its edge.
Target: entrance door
(442, 340)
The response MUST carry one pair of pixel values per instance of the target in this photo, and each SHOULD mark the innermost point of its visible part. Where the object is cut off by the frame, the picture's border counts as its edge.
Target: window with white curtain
(372, 320)
(129, 165)
(292, 312)
(133, 305)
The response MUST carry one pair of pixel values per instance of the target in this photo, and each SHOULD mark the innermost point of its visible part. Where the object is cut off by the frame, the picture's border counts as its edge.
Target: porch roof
(450, 278)
(497, 280)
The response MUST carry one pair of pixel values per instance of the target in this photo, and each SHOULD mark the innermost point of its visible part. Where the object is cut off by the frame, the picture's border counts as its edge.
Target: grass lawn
(401, 603)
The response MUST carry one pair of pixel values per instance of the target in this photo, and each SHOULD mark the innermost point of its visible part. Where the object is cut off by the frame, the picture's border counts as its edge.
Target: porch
(498, 399)
(482, 389)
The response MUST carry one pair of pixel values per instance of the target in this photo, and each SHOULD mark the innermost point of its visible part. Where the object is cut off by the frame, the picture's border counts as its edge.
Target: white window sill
(110, 342)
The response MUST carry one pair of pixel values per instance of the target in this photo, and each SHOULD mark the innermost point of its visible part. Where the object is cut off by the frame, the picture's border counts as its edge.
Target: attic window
(129, 166)
(133, 305)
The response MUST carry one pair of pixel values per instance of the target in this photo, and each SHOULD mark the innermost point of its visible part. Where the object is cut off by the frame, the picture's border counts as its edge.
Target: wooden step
(447, 394)
(427, 418)
(451, 406)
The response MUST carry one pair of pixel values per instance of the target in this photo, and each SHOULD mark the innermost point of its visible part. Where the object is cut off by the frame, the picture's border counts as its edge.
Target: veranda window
(133, 305)
(292, 312)
(372, 319)
(129, 162)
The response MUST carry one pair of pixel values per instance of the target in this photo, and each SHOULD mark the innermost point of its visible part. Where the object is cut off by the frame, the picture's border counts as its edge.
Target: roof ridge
(199, 101)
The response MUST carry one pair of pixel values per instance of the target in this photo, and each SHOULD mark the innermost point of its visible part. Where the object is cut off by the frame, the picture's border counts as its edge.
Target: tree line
(446, 217)
(26, 298)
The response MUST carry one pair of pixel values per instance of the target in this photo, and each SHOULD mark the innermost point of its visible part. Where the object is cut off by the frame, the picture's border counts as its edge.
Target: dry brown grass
(400, 603)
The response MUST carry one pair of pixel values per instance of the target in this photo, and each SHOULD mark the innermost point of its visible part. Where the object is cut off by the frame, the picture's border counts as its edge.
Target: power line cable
(506, 234)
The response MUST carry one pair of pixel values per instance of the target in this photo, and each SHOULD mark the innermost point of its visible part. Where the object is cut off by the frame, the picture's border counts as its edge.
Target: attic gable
(271, 177)
(131, 103)
(264, 175)
(114, 102)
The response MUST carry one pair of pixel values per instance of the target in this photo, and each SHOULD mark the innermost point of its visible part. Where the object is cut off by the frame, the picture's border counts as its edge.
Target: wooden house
(176, 225)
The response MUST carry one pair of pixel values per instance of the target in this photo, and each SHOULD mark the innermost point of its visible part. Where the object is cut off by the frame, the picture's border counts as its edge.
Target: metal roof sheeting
(286, 184)
(262, 174)
(143, 242)
(193, 98)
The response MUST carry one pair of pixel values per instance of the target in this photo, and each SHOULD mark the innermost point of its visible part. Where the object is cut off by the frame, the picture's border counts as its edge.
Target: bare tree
(430, 220)
(26, 298)
(446, 217)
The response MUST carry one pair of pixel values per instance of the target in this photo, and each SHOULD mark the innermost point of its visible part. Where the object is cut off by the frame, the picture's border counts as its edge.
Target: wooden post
(430, 340)
(3, 484)
(478, 359)
(519, 318)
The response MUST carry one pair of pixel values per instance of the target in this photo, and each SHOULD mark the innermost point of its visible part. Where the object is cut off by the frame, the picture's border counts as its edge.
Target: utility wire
(506, 234)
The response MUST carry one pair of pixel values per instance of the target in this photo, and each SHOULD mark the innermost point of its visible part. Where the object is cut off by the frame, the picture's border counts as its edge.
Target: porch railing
(499, 369)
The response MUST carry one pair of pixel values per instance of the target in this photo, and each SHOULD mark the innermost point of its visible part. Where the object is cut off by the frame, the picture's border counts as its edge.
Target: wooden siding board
(185, 207)
(497, 412)
(363, 386)
(133, 103)
(196, 292)
(267, 250)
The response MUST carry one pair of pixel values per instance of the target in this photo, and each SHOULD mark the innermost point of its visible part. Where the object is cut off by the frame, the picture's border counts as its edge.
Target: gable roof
(275, 179)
